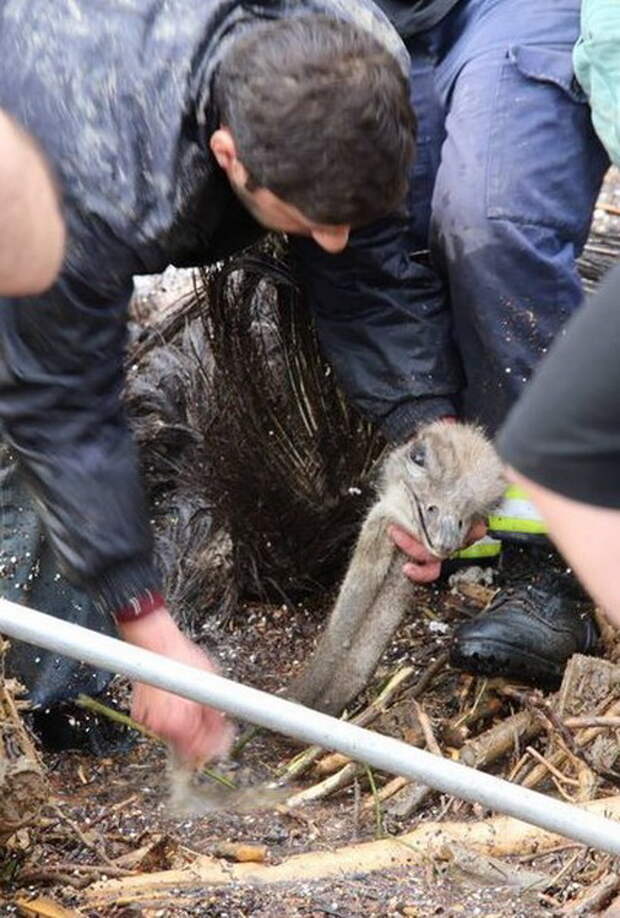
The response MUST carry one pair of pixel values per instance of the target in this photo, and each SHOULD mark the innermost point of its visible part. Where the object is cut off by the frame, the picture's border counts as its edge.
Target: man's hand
(425, 567)
(196, 733)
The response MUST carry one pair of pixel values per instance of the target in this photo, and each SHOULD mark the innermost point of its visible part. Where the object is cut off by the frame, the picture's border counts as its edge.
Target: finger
(422, 573)
(138, 710)
(410, 545)
(208, 740)
(477, 531)
(218, 740)
(187, 740)
(201, 735)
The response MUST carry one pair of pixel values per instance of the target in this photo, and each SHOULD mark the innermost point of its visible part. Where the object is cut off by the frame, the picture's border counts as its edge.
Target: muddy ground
(106, 809)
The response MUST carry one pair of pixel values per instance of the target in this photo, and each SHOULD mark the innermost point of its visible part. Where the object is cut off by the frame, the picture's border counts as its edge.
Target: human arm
(32, 234)
(384, 326)
(587, 536)
(61, 376)
(562, 439)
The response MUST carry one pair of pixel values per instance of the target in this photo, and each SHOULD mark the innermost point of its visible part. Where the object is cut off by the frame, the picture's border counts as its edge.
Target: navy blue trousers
(505, 182)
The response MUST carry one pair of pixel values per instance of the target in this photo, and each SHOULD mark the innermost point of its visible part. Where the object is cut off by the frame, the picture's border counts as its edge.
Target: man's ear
(223, 147)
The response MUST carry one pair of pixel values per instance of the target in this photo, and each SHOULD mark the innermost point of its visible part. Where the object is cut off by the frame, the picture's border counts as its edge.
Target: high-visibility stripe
(517, 514)
(514, 524)
(515, 491)
(483, 548)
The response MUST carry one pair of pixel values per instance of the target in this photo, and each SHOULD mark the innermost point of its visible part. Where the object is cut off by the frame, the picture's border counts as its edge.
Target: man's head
(317, 131)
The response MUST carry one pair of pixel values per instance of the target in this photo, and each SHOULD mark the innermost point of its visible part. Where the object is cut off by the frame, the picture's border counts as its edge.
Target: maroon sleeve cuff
(140, 606)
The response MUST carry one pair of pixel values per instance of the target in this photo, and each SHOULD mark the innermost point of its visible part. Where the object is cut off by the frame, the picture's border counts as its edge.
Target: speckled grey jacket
(118, 93)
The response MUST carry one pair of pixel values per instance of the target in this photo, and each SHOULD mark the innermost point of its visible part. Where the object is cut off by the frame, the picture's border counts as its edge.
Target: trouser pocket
(543, 154)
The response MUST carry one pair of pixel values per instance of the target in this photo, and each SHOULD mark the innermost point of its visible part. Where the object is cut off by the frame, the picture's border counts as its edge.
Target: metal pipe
(310, 726)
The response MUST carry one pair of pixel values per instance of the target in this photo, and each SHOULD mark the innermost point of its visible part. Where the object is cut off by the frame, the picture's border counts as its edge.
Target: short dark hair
(320, 114)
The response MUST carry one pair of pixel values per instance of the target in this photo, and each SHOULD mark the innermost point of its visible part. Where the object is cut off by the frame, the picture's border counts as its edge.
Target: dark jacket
(118, 93)
(412, 16)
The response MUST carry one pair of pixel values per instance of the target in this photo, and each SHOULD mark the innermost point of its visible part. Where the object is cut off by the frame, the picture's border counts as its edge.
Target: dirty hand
(195, 732)
(424, 567)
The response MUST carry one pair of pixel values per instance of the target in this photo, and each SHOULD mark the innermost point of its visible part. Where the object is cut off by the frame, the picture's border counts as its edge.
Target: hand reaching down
(195, 732)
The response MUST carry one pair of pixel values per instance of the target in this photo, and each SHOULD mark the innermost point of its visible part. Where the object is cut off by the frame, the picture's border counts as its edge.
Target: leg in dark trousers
(508, 172)
(28, 575)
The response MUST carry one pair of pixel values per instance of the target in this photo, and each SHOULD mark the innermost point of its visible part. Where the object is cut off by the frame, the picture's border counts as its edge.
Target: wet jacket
(412, 16)
(119, 95)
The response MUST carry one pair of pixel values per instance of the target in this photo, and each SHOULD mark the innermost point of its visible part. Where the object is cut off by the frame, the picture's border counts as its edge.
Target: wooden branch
(326, 787)
(582, 738)
(301, 762)
(536, 702)
(388, 790)
(594, 898)
(242, 852)
(499, 836)
(23, 785)
(42, 907)
(331, 763)
(500, 739)
(456, 732)
(409, 799)
(550, 767)
(408, 795)
(427, 729)
(576, 723)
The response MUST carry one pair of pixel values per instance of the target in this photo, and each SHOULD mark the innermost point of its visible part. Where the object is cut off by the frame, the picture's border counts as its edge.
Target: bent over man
(180, 131)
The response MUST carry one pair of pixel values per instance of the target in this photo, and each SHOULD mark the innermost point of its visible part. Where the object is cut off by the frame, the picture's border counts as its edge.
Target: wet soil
(110, 807)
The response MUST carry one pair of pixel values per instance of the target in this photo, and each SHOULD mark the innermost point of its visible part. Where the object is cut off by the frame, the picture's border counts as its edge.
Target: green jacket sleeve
(596, 59)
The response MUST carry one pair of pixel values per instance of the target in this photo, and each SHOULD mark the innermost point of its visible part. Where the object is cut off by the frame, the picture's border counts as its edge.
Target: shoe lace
(517, 596)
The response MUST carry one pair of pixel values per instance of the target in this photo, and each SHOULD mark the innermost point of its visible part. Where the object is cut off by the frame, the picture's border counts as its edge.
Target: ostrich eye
(418, 455)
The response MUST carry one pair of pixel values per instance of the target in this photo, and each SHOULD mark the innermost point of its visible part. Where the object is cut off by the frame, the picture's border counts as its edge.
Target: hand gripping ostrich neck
(435, 486)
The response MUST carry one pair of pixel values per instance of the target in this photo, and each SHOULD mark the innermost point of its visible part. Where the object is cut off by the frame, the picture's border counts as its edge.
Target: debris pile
(23, 786)
(602, 249)
(335, 821)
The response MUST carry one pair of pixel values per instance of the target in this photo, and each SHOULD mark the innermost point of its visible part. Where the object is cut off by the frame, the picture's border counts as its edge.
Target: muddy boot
(529, 631)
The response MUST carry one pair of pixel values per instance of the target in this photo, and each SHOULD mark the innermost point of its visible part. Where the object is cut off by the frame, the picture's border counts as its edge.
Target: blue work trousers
(507, 174)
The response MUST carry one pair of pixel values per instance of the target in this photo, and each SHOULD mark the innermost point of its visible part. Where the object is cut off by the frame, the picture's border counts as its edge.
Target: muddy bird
(435, 486)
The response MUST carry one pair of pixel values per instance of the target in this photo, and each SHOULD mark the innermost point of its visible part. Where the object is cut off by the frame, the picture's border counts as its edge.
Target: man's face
(275, 214)
(270, 210)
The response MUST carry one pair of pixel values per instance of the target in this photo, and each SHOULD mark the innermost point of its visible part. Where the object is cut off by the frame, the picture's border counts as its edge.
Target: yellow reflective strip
(514, 524)
(486, 550)
(515, 491)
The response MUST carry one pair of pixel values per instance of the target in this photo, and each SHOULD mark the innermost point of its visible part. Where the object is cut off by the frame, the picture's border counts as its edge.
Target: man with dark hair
(340, 100)
(507, 173)
(179, 131)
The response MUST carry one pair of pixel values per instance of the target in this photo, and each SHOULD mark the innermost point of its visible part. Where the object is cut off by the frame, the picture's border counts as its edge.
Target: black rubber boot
(529, 631)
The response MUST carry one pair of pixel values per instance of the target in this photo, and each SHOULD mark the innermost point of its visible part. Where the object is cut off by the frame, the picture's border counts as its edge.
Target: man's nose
(333, 240)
